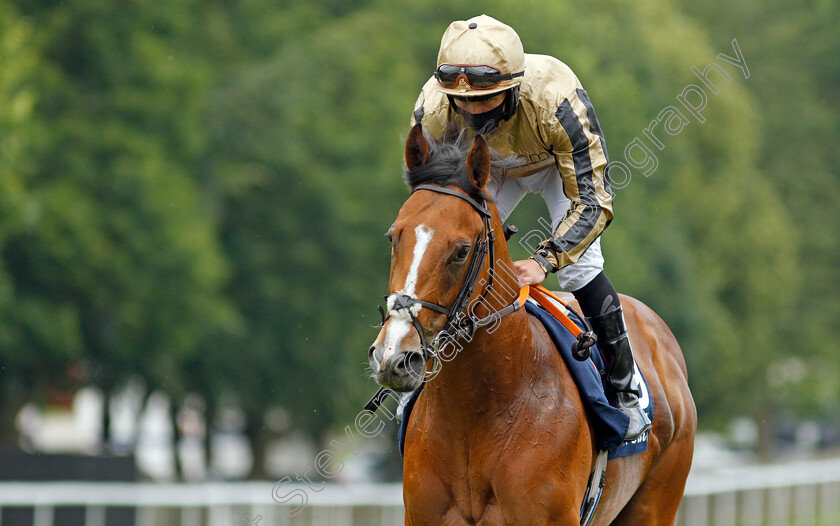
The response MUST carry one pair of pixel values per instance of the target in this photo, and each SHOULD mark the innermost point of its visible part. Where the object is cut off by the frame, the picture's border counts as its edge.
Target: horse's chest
(452, 497)
(480, 485)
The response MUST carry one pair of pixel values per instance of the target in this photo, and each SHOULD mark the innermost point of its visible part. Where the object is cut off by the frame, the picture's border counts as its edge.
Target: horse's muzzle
(402, 371)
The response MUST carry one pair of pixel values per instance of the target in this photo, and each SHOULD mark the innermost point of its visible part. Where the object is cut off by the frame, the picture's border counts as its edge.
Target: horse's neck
(493, 369)
(498, 363)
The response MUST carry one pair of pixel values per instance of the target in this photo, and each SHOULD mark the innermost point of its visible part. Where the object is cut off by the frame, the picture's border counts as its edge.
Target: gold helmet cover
(481, 41)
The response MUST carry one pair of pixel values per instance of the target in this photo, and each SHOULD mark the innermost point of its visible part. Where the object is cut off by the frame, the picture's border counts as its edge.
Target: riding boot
(614, 343)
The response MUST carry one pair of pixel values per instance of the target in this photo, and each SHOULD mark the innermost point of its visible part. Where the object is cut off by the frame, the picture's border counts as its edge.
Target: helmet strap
(511, 102)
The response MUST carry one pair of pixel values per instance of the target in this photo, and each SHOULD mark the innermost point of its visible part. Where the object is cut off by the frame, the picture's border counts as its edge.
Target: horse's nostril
(410, 362)
(373, 360)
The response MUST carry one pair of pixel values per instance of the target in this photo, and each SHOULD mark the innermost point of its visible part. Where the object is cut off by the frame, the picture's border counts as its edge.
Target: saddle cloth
(609, 423)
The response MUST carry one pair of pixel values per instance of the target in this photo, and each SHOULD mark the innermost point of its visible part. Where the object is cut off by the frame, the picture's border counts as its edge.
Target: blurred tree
(121, 268)
(18, 210)
(309, 187)
(792, 50)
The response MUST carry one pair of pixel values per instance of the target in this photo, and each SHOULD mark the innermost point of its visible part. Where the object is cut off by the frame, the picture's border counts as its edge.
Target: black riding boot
(614, 343)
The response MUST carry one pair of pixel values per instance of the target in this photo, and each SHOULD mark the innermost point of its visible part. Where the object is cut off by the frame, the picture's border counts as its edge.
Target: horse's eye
(390, 237)
(462, 253)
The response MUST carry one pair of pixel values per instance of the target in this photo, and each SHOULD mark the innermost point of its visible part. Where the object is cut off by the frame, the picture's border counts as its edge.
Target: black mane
(448, 166)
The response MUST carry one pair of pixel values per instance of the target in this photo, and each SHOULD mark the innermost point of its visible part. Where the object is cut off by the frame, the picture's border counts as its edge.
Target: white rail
(790, 494)
(798, 494)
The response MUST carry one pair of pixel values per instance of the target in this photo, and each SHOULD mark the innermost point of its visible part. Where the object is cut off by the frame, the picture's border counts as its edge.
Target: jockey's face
(480, 106)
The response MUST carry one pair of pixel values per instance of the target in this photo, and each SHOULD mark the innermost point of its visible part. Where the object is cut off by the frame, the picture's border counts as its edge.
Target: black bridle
(459, 323)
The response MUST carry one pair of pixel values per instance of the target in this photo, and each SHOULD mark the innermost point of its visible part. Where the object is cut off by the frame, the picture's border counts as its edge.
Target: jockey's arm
(580, 152)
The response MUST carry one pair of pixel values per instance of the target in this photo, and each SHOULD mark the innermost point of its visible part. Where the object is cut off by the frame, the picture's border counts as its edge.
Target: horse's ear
(416, 148)
(478, 162)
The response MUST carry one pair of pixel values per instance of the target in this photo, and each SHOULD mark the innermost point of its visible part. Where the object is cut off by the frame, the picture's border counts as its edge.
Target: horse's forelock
(447, 166)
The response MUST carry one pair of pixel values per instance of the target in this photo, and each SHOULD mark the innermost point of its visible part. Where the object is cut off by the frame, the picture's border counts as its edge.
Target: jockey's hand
(529, 271)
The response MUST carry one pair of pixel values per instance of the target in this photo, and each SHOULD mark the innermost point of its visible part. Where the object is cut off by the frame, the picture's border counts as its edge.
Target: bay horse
(499, 435)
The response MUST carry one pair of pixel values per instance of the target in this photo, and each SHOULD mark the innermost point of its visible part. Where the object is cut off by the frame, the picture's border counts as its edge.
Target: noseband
(459, 323)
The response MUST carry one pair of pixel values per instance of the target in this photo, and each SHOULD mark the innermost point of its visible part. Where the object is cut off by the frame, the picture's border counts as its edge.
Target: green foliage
(119, 265)
(792, 51)
(18, 208)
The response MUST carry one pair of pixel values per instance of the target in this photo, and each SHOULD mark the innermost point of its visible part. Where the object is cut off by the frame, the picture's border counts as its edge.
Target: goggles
(478, 77)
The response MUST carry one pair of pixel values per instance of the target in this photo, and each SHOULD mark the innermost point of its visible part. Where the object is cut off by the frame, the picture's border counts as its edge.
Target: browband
(441, 190)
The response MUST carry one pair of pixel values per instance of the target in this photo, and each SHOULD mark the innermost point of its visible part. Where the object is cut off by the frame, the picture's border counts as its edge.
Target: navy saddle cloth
(609, 423)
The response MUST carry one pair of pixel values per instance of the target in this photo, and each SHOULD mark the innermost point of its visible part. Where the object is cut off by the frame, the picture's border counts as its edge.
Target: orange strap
(541, 295)
(523, 295)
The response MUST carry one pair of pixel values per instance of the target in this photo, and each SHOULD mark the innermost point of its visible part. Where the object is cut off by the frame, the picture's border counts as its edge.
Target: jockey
(533, 107)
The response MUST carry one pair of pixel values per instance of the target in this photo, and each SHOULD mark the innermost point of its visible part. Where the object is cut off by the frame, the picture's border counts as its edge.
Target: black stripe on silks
(595, 126)
(418, 114)
(580, 147)
(584, 176)
(580, 229)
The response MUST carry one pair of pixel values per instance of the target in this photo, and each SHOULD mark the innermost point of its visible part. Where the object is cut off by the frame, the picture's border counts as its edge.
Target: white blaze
(400, 322)
(397, 329)
(424, 236)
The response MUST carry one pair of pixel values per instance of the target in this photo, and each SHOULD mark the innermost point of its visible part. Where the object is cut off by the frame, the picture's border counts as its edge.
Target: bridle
(459, 324)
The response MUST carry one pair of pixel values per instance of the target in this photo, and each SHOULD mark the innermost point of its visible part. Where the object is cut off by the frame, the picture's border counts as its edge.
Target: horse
(499, 434)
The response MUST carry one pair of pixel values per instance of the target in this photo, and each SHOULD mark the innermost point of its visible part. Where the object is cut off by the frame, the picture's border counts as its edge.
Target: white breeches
(549, 185)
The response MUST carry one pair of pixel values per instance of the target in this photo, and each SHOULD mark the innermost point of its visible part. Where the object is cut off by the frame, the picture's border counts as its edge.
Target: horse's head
(439, 242)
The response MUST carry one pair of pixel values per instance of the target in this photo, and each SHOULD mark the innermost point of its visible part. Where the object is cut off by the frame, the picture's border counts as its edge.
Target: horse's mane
(448, 166)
